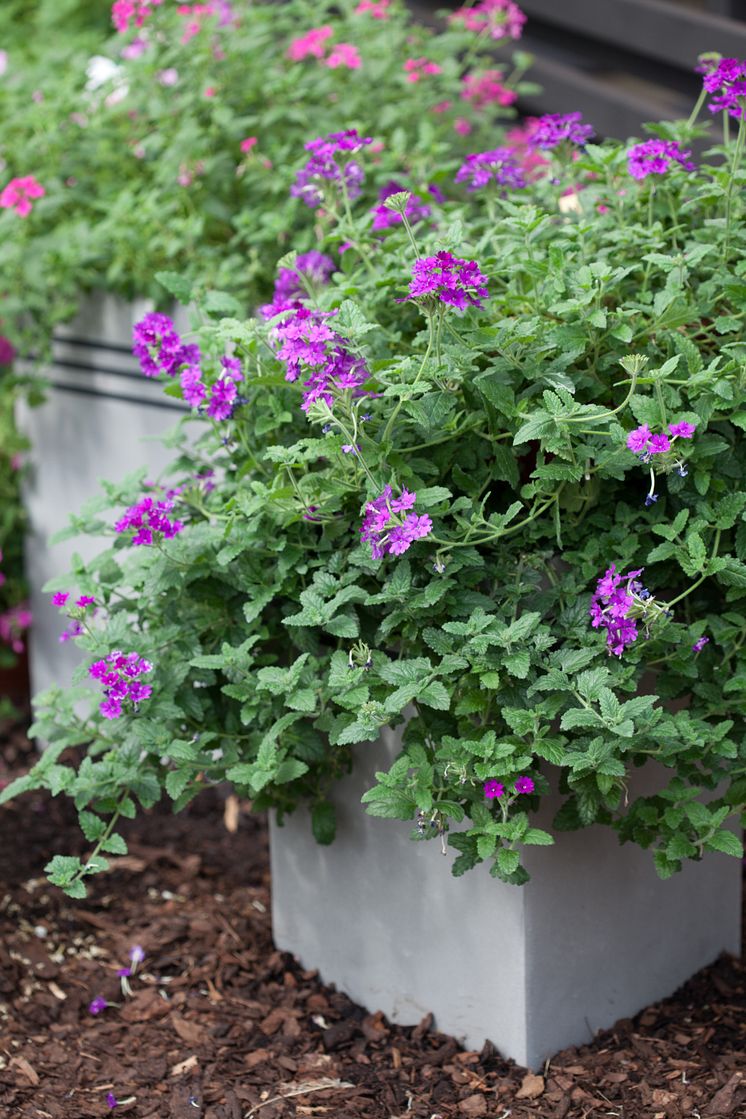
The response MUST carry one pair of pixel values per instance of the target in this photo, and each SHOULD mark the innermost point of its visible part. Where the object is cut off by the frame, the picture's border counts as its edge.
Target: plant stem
(734, 171)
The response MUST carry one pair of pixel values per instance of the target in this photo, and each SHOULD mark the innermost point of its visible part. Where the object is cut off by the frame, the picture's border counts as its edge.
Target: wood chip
(531, 1088)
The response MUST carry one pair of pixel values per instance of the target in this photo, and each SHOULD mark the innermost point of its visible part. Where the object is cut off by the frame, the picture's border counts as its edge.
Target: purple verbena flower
(524, 785)
(59, 598)
(654, 157)
(638, 439)
(111, 1100)
(304, 335)
(617, 603)
(456, 282)
(120, 675)
(192, 387)
(699, 644)
(493, 789)
(498, 166)
(682, 430)
(386, 530)
(415, 210)
(314, 268)
(325, 166)
(137, 954)
(97, 1005)
(159, 348)
(659, 444)
(232, 367)
(222, 399)
(149, 518)
(555, 128)
(728, 82)
(85, 600)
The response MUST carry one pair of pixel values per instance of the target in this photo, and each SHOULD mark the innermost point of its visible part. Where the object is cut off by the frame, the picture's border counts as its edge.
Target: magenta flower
(415, 210)
(615, 597)
(19, 193)
(498, 167)
(659, 444)
(456, 282)
(85, 600)
(222, 399)
(418, 68)
(699, 644)
(377, 8)
(501, 19)
(310, 270)
(97, 1005)
(344, 54)
(486, 88)
(682, 430)
(193, 390)
(135, 11)
(150, 520)
(389, 528)
(111, 1100)
(638, 439)
(654, 157)
(727, 81)
(120, 673)
(493, 789)
(555, 128)
(310, 45)
(59, 598)
(7, 351)
(524, 785)
(159, 348)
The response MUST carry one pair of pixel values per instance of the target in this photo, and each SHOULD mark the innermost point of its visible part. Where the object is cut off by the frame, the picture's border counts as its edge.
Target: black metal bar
(83, 390)
(72, 340)
(82, 367)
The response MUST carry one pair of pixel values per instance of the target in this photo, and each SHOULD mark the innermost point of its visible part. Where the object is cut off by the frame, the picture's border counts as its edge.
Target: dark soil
(222, 1026)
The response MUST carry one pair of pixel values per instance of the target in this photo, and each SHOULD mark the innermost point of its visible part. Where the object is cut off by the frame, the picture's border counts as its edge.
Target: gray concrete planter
(594, 937)
(101, 420)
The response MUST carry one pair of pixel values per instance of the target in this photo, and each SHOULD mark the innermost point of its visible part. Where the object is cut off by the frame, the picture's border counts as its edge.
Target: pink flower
(377, 8)
(311, 44)
(18, 193)
(169, 76)
(524, 785)
(683, 430)
(501, 18)
(210, 91)
(659, 444)
(344, 54)
(493, 789)
(417, 68)
(3, 62)
(7, 353)
(638, 439)
(486, 89)
(248, 143)
(136, 11)
(462, 126)
(441, 107)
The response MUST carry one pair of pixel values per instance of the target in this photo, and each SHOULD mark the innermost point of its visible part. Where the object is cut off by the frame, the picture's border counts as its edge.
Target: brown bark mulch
(220, 1025)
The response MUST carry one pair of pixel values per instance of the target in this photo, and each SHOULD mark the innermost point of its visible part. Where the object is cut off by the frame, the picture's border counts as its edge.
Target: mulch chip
(220, 1025)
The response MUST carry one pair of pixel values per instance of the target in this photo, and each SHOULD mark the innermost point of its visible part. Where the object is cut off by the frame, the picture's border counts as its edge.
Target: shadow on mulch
(222, 1026)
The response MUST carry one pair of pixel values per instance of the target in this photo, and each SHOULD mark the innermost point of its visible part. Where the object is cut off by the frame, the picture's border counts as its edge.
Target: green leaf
(518, 664)
(324, 822)
(175, 284)
(726, 842)
(508, 860)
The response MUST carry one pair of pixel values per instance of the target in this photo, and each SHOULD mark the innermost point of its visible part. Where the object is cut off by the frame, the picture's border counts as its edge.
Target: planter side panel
(384, 919)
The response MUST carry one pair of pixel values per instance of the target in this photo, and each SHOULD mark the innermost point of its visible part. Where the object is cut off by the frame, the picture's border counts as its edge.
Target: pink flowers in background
(727, 80)
(486, 89)
(7, 353)
(344, 54)
(417, 68)
(195, 14)
(249, 143)
(378, 9)
(135, 12)
(314, 45)
(19, 193)
(310, 45)
(13, 624)
(498, 167)
(654, 157)
(389, 527)
(499, 19)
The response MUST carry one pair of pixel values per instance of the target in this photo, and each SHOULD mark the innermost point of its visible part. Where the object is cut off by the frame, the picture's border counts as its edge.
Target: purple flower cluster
(555, 128)
(415, 210)
(75, 629)
(388, 526)
(325, 166)
(222, 393)
(494, 789)
(150, 520)
(311, 349)
(616, 600)
(654, 157)
(313, 269)
(644, 442)
(159, 348)
(454, 281)
(120, 675)
(498, 166)
(728, 82)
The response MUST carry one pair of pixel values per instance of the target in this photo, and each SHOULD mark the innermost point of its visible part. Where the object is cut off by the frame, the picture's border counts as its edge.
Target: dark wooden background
(623, 62)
